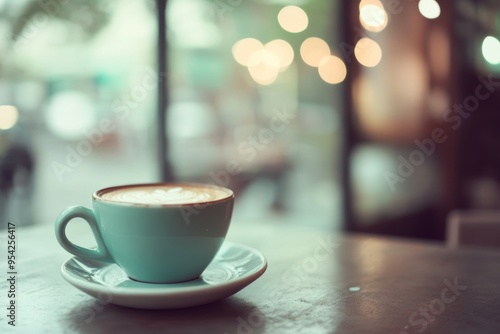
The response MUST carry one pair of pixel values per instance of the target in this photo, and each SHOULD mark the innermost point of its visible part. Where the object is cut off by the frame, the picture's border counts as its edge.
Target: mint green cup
(154, 243)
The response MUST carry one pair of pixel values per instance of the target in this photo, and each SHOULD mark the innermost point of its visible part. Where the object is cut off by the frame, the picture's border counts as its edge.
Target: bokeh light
(491, 50)
(263, 62)
(8, 117)
(244, 48)
(372, 17)
(313, 50)
(377, 3)
(368, 52)
(283, 51)
(264, 67)
(332, 70)
(70, 114)
(429, 9)
(293, 19)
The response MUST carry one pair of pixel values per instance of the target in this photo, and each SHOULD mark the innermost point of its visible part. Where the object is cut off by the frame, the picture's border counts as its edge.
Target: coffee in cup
(157, 233)
(163, 195)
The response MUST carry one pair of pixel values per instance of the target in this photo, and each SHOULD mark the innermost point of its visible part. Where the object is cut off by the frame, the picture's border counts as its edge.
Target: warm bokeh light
(244, 48)
(429, 9)
(8, 117)
(332, 70)
(368, 52)
(264, 62)
(491, 50)
(293, 19)
(313, 50)
(264, 67)
(283, 50)
(377, 3)
(373, 18)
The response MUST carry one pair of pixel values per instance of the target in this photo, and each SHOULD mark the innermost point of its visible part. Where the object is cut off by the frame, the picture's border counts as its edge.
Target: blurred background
(369, 116)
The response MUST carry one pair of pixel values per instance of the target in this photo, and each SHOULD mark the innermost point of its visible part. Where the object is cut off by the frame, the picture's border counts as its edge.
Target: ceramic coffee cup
(157, 233)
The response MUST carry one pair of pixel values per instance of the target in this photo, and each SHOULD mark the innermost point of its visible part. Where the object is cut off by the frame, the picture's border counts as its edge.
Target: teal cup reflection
(154, 243)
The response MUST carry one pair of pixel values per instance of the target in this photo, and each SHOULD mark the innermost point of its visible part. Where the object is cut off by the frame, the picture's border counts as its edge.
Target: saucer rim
(171, 289)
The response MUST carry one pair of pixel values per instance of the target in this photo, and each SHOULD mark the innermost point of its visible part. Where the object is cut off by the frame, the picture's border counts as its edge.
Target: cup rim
(96, 196)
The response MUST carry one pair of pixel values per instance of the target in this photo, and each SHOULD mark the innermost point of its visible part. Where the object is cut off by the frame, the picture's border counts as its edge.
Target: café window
(255, 93)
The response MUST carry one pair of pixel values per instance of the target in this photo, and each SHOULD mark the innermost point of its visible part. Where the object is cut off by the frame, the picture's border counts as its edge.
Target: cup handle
(101, 253)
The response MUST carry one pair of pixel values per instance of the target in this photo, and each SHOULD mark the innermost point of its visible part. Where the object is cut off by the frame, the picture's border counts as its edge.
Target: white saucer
(234, 267)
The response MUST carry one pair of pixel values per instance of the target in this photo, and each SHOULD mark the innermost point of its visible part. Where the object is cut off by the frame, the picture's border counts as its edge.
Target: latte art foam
(157, 194)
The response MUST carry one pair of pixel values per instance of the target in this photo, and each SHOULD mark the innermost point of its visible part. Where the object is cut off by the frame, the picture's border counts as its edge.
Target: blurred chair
(473, 228)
